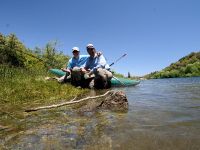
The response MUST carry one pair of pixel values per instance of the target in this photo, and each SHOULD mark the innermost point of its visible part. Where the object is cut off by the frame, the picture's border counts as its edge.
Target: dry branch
(66, 103)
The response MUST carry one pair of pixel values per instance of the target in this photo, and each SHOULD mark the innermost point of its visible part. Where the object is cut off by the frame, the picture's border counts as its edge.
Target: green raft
(115, 82)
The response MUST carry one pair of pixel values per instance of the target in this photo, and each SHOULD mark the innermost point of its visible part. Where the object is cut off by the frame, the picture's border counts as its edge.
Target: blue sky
(153, 33)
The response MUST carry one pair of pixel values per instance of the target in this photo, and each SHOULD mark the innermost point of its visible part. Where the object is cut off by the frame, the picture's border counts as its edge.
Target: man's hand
(66, 70)
(83, 70)
(99, 53)
(90, 73)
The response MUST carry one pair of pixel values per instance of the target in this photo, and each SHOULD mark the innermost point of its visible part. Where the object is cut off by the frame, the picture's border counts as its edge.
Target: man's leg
(67, 77)
(77, 78)
(102, 78)
(61, 79)
(109, 76)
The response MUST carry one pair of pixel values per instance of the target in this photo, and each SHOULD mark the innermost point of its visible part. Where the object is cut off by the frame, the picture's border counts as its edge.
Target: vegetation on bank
(14, 53)
(22, 73)
(188, 66)
(22, 86)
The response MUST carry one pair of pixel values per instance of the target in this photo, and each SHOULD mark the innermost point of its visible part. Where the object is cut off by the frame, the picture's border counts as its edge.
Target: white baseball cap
(75, 49)
(90, 46)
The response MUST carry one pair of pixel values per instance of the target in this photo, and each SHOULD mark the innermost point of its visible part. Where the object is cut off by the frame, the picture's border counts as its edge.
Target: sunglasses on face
(90, 48)
(75, 51)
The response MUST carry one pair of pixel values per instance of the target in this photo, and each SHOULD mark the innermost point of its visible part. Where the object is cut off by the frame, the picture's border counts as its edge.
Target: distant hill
(188, 66)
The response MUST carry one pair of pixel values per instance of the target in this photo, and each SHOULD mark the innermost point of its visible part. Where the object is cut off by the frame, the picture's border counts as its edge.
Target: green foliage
(14, 53)
(52, 57)
(22, 73)
(20, 85)
(23, 88)
(187, 66)
(117, 74)
(10, 51)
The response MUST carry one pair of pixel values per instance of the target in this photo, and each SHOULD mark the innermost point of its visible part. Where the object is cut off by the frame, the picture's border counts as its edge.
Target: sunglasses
(75, 51)
(90, 48)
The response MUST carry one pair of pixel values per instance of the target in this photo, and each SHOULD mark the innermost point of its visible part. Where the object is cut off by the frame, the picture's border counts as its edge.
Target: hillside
(188, 66)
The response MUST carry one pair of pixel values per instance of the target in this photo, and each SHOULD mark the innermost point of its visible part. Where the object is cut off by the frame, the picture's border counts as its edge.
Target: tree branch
(66, 103)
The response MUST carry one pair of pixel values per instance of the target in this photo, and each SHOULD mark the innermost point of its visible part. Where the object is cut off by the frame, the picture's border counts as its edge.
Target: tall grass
(22, 86)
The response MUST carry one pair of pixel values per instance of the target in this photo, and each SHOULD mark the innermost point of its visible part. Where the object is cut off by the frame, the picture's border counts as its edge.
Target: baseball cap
(75, 49)
(90, 46)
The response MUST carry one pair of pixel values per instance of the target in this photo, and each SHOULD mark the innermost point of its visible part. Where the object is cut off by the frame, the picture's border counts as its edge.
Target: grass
(28, 87)
(21, 89)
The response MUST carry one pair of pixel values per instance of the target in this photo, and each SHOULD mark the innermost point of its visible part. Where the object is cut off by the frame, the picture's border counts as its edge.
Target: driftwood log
(112, 100)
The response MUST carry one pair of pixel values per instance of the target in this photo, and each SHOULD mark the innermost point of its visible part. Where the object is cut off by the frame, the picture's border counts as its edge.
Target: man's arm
(66, 70)
(101, 62)
(69, 66)
(85, 69)
(83, 60)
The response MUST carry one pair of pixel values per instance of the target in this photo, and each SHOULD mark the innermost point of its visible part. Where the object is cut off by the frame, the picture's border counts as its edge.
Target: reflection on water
(163, 114)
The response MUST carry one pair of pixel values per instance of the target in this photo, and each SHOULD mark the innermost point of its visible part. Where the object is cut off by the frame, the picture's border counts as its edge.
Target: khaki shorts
(102, 78)
(76, 76)
(104, 74)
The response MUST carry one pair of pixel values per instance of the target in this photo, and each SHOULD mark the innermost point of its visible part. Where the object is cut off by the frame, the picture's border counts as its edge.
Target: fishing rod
(113, 64)
(117, 59)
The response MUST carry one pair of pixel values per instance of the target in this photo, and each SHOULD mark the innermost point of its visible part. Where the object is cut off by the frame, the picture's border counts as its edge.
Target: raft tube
(115, 82)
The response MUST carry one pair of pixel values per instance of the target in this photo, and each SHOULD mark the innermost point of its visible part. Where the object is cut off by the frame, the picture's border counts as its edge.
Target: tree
(129, 75)
(10, 51)
(2, 47)
(53, 57)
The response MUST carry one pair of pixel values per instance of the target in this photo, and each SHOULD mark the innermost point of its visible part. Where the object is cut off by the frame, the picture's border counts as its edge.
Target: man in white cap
(96, 65)
(73, 67)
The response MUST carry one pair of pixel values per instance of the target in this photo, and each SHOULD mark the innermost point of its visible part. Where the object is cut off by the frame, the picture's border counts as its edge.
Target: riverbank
(22, 88)
(162, 114)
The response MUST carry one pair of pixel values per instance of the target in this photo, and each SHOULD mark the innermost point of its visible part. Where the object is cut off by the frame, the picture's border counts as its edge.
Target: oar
(117, 60)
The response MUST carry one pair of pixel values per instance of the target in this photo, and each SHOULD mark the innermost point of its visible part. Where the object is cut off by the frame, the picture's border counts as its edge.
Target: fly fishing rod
(117, 59)
(113, 64)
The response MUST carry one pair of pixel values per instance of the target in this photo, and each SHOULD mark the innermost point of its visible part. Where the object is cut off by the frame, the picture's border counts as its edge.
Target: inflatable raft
(115, 82)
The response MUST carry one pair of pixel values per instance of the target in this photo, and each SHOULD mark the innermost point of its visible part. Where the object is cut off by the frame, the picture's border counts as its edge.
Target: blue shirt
(77, 62)
(93, 63)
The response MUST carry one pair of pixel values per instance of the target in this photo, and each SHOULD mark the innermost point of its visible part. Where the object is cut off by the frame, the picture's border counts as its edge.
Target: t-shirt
(77, 62)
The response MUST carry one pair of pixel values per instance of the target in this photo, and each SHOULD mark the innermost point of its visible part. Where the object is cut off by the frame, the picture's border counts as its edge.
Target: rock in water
(116, 101)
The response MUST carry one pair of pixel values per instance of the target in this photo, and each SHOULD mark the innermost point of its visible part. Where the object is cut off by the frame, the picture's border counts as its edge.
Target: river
(163, 114)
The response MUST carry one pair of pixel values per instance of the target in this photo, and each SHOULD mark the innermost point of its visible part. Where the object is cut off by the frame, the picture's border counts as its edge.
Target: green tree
(11, 51)
(53, 57)
(2, 49)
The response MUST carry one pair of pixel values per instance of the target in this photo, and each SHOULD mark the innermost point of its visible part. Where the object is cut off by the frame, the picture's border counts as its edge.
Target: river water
(163, 114)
